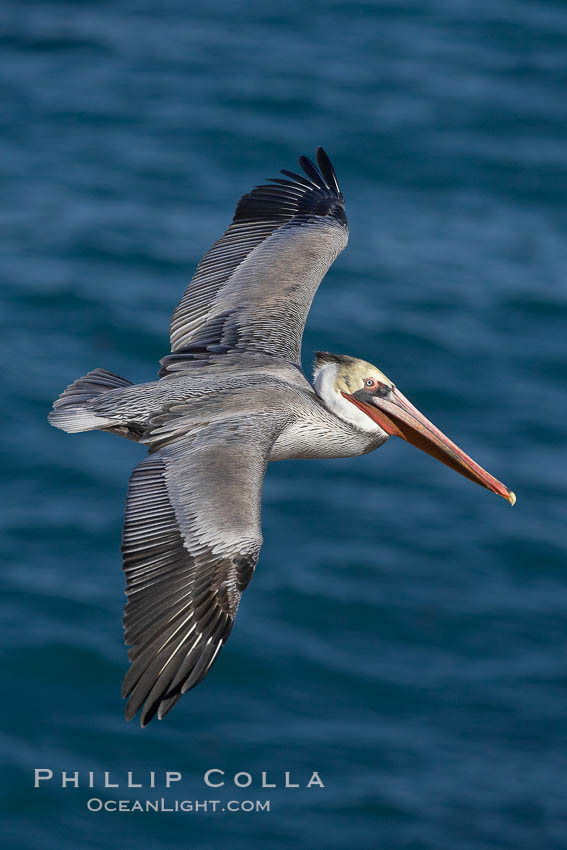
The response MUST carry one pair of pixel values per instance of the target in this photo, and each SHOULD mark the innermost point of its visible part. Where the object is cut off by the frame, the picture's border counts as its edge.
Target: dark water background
(405, 634)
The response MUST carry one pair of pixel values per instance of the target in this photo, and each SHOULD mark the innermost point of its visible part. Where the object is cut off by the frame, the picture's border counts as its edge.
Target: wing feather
(190, 545)
(253, 289)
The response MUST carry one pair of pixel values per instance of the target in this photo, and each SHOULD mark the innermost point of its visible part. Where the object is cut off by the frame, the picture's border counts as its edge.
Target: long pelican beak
(397, 416)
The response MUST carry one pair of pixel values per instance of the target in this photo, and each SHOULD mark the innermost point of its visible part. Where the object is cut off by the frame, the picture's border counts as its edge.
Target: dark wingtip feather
(327, 170)
(312, 172)
(149, 713)
(167, 704)
(297, 178)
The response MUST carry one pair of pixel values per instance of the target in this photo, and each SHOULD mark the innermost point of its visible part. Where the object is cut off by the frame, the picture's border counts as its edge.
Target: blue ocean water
(405, 633)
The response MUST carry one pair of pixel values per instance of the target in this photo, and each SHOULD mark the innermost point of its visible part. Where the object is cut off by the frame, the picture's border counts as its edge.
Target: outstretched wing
(253, 289)
(191, 541)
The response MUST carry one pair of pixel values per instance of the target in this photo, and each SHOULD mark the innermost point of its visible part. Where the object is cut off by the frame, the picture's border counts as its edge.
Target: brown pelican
(231, 397)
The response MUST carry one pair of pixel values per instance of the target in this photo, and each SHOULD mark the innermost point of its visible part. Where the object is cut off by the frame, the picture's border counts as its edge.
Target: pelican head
(361, 394)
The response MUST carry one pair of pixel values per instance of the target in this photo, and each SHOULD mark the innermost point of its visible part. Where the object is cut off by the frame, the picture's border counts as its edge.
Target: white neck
(324, 383)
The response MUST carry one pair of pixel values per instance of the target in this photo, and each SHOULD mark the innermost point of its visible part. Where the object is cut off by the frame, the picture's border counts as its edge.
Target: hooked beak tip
(396, 415)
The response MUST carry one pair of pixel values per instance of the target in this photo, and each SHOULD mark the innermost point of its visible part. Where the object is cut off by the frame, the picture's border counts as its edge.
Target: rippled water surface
(405, 634)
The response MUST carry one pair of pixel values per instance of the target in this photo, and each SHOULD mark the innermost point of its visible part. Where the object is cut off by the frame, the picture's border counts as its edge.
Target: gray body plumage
(161, 411)
(230, 398)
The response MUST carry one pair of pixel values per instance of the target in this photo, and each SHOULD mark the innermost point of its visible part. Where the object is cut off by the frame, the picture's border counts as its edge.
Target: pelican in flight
(231, 397)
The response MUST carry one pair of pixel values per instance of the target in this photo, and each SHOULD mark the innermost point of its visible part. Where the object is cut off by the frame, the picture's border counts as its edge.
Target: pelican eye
(370, 382)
